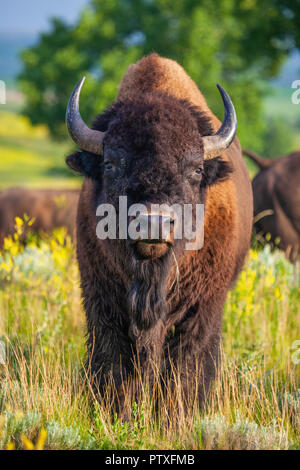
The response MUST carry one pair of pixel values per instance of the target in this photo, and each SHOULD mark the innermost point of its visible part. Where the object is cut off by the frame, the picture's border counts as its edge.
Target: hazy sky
(31, 16)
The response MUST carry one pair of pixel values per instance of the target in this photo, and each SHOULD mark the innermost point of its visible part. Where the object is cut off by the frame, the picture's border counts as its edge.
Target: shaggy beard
(147, 295)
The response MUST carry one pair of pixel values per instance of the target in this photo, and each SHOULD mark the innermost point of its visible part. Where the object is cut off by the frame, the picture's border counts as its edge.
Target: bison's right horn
(86, 138)
(216, 144)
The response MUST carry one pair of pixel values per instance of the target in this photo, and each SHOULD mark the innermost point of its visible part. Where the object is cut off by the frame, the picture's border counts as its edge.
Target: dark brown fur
(276, 191)
(51, 208)
(132, 305)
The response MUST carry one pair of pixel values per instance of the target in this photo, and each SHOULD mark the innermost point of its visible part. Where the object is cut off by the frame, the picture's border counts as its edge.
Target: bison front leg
(110, 366)
(191, 365)
(120, 364)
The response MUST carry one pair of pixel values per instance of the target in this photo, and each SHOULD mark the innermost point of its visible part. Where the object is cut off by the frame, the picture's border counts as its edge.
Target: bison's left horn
(215, 145)
(86, 138)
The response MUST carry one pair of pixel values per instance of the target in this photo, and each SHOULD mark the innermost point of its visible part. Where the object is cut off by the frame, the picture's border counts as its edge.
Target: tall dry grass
(45, 395)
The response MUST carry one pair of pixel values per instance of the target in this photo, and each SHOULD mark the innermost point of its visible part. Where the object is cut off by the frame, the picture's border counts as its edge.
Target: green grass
(45, 398)
(29, 157)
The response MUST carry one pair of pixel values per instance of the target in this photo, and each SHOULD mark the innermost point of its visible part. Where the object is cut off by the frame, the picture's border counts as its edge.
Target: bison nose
(154, 228)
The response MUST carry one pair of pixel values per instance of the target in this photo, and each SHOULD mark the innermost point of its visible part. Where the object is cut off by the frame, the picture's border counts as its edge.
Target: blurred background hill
(250, 47)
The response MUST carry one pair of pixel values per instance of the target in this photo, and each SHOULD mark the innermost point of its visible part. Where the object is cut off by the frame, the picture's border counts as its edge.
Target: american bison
(50, 208)
(276, 191)
(152, 299)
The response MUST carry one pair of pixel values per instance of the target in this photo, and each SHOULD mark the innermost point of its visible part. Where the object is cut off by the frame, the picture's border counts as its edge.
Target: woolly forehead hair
(145, 118)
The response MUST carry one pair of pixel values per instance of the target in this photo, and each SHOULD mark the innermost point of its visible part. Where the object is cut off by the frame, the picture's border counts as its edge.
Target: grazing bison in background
(276, 191)
(159, 143)
(51, 208)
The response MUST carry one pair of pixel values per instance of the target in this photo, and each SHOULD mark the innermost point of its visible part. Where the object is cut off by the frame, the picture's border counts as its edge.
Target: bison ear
(85, 163)
(74, 162)
(215, 171)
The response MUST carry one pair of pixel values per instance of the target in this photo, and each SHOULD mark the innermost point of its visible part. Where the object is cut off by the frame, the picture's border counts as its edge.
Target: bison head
(153, 149)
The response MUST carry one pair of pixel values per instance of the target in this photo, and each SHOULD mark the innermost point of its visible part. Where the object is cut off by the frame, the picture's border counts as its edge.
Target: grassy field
(29, 157)
(45, 401)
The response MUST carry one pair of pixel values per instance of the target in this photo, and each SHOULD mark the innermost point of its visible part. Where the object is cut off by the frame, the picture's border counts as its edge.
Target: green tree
(278, 138)
(238, 43)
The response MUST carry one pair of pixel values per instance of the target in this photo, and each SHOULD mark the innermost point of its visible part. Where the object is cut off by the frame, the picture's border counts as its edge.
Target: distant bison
(276, 190)
(51, 208)
(152, 299)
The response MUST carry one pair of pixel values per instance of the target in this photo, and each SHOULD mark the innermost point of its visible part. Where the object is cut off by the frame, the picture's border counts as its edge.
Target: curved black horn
(86, 138)
(215, 145)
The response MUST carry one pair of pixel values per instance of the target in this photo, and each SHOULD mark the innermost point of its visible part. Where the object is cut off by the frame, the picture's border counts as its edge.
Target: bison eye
(108, 165)
(198, 171)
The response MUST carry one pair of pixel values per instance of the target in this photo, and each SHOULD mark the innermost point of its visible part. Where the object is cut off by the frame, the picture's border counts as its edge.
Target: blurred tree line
(238, 43)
